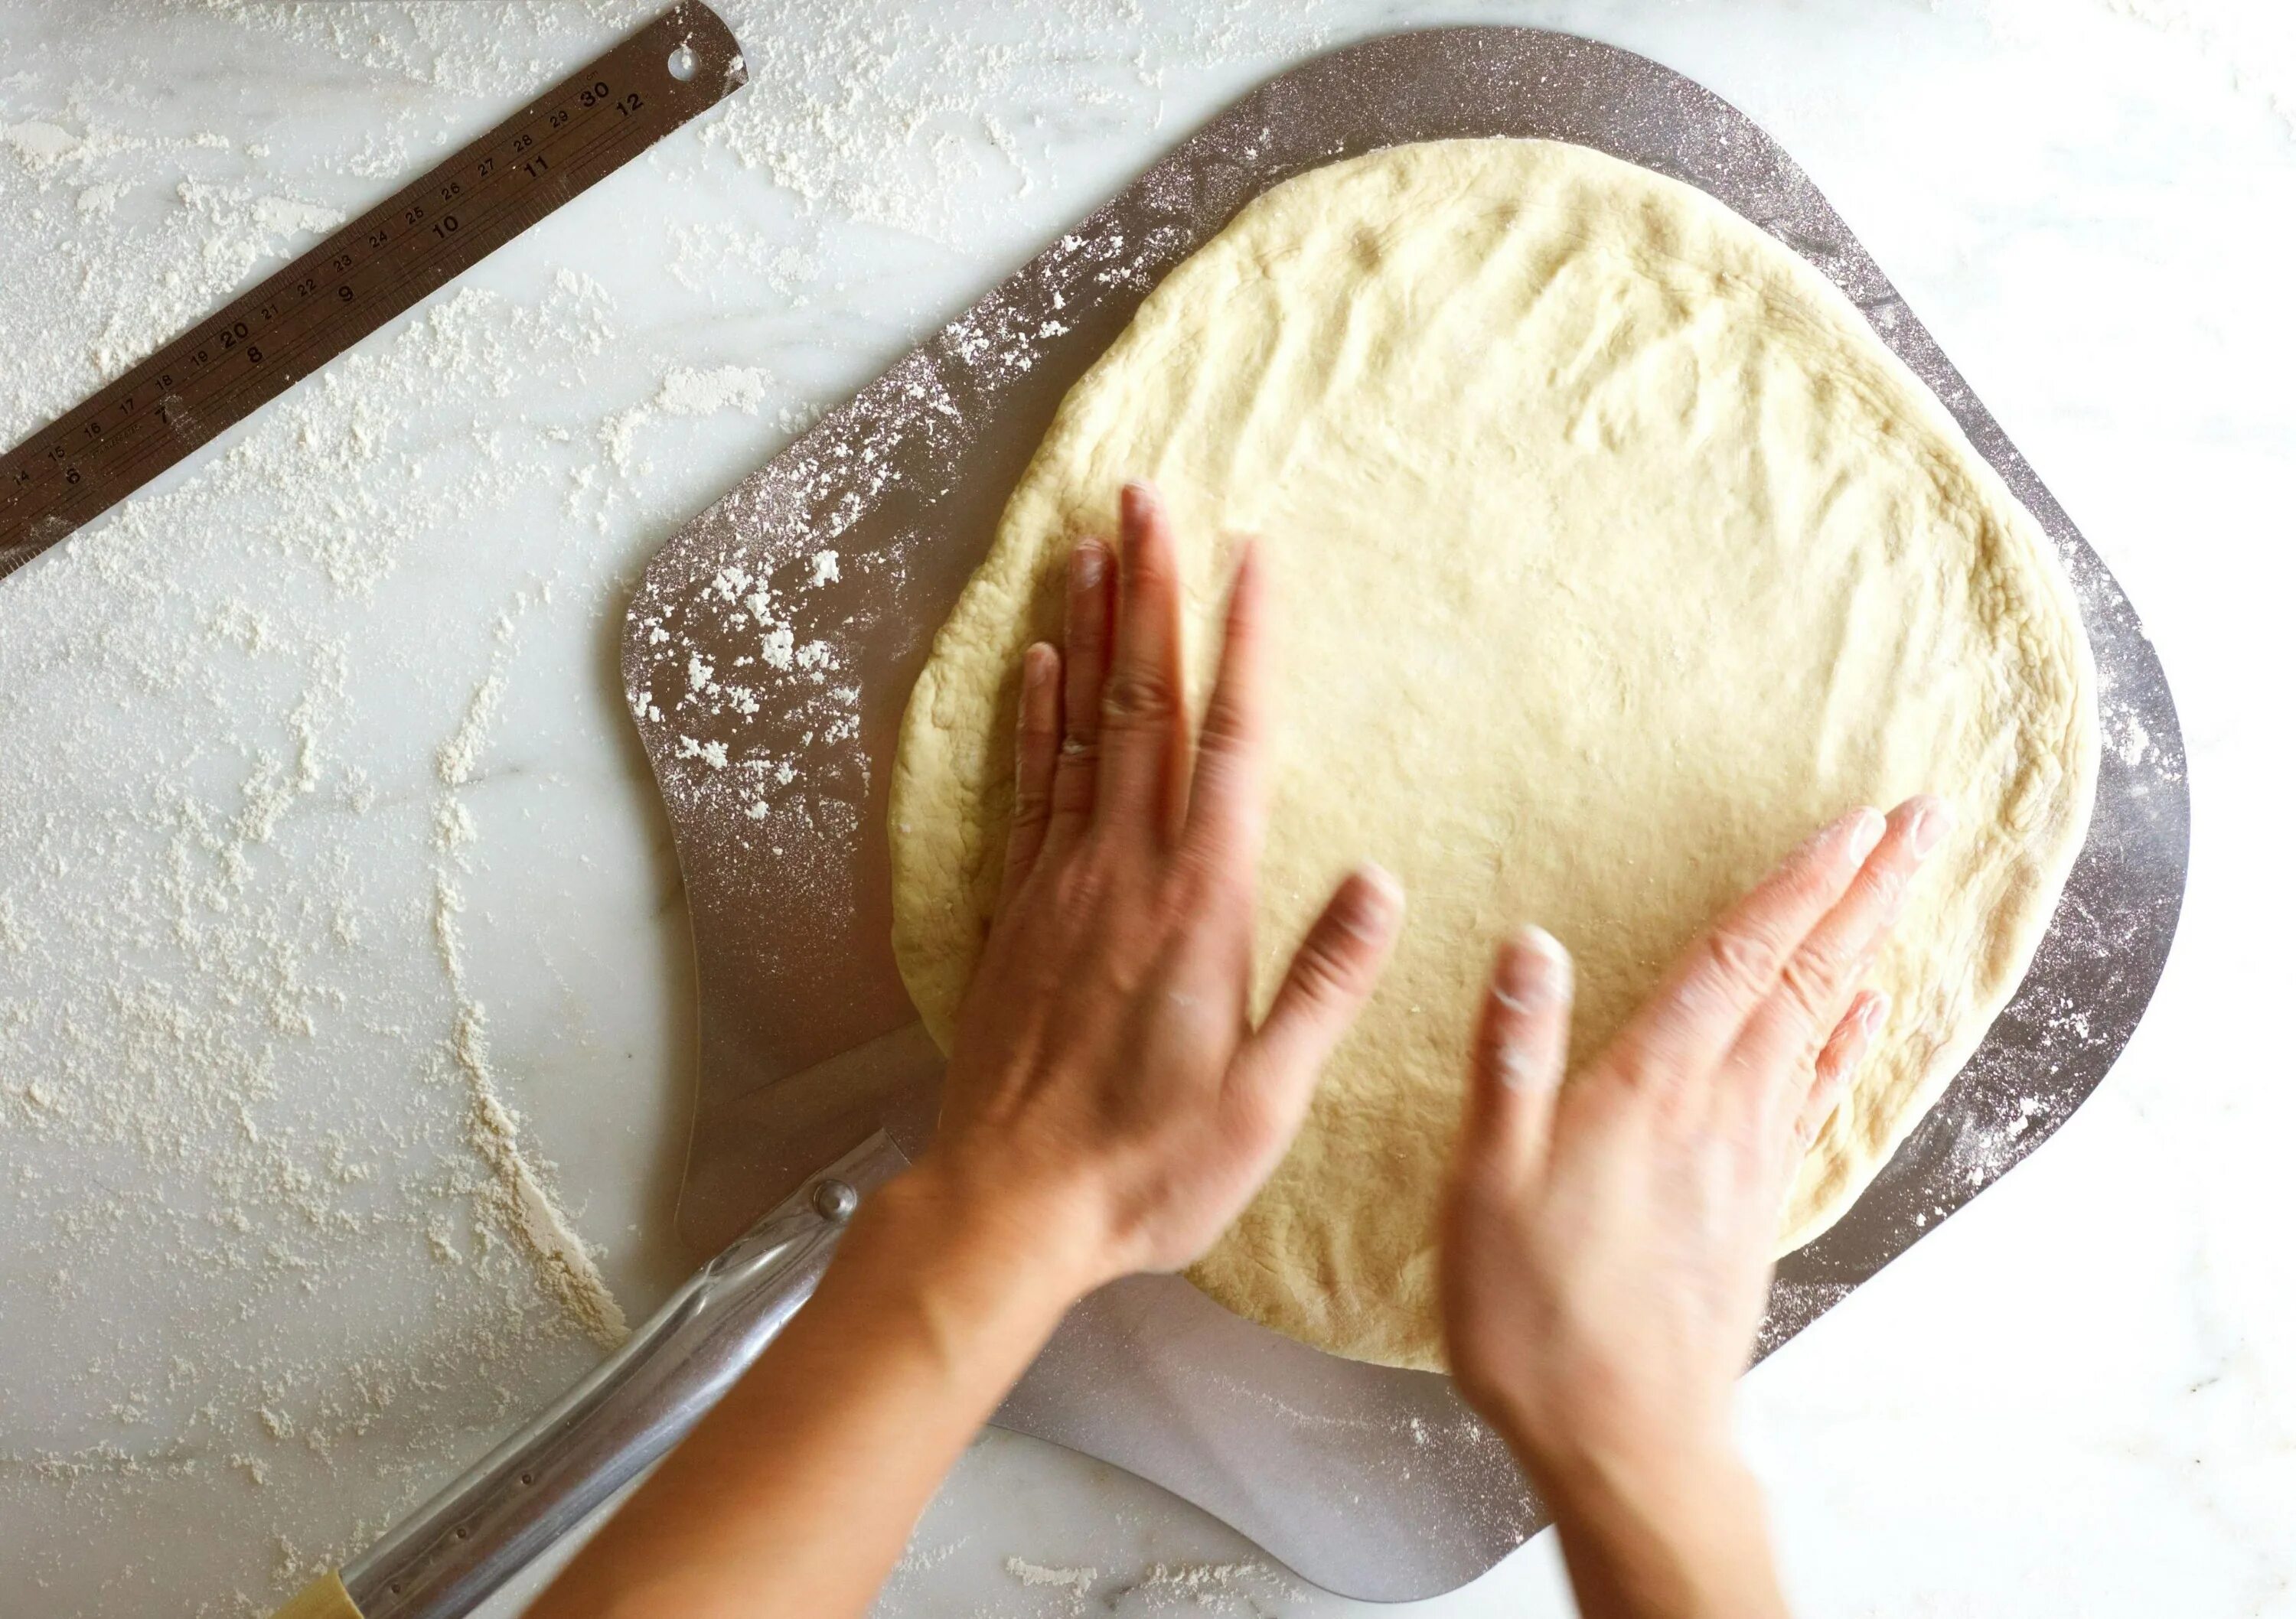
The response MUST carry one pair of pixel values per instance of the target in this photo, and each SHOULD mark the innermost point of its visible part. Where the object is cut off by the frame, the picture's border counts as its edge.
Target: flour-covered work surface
(343, 1001)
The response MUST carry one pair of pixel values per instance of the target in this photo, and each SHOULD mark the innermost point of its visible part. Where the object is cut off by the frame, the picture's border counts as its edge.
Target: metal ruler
(378, 266)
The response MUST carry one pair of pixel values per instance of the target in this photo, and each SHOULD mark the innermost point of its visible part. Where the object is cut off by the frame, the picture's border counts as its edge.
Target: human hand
(1607, 1242)
(1108, 1108)
(1106, 1078)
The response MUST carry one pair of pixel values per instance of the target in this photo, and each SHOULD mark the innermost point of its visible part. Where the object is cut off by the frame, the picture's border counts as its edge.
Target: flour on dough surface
(1613, 554)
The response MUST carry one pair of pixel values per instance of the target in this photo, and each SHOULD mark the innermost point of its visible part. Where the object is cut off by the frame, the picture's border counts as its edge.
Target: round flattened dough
(1612, 555)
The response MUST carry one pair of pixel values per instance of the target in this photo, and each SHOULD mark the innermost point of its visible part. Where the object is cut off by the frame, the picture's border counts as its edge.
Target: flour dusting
(1074, 1584)
(246, 1077)
(242, 1084)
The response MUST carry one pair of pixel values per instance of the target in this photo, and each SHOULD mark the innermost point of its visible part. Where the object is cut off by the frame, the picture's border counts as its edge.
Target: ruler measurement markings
(371, 270)
(291, 293)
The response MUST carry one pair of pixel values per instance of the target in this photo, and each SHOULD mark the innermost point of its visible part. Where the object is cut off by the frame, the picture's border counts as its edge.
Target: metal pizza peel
(768, 650)
(1371, 1482)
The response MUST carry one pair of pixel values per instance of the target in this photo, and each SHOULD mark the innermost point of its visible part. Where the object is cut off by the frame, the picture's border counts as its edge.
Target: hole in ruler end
(684, 64)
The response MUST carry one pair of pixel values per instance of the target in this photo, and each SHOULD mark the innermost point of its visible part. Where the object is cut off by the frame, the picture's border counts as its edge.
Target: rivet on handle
(834, 1200)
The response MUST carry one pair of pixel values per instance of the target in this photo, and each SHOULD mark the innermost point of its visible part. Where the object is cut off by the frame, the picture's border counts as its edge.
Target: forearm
(1683, 1538)
(797, 1494)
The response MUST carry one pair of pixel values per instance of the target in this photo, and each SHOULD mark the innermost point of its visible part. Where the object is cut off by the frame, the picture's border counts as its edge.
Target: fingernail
(1091, 563)
(1931, 821)
(1036, 665)
(1873, 1012)
(1516, 1071)
(1534, 974)
(1137, 492)
(1374, 898)
(1867, 826)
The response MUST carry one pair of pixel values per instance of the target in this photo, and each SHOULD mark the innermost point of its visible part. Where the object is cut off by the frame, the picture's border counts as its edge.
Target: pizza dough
(1613, 554)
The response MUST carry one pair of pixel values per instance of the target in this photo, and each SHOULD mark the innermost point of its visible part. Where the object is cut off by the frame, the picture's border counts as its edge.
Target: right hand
(1607, 1242)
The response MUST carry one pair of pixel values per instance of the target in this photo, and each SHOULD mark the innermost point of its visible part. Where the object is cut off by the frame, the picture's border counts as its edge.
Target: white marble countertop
(321, 823)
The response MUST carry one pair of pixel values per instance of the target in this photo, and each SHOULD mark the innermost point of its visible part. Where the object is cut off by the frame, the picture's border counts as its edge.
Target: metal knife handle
(544, 1479)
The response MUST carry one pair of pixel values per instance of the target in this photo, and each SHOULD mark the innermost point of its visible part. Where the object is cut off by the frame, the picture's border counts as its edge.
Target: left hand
(1108, 1107)
(1107, 1080)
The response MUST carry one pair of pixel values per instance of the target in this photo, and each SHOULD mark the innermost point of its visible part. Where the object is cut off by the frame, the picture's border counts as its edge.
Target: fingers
(1329, 978)
(1227, 801)
(1698, 1011)
(1844, 1049)
(1521, 1043)
(1144, 737)
(1816, 980)
(1036, 754)
(1087, 633)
